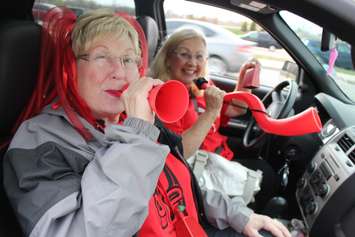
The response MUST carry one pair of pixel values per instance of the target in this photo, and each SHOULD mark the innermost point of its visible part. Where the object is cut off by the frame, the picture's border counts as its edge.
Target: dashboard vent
(352, 156)
(345, 143)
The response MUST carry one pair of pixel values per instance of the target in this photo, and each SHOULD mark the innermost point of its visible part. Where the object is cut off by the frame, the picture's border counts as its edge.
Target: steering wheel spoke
(278, 103)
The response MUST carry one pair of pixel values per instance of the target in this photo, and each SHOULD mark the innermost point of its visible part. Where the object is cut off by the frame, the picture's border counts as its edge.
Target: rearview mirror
(328, 40)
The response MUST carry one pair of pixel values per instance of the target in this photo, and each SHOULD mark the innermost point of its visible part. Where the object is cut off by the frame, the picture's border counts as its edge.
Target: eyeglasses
(105, 60)
(186, 56)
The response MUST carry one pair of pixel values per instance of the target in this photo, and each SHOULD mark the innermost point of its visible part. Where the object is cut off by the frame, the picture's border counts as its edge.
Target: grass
(345, 71)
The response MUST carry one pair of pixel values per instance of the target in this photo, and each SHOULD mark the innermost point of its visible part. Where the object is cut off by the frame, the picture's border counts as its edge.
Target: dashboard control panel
(326, 191)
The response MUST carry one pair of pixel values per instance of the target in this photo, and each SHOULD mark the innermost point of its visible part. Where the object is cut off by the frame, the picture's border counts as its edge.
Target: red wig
(57, 77)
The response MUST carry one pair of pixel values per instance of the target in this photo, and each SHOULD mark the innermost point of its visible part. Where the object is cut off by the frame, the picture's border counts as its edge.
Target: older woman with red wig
(75, 167)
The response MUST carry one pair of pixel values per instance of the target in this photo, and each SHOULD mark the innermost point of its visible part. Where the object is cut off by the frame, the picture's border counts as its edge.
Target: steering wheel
(278, 103)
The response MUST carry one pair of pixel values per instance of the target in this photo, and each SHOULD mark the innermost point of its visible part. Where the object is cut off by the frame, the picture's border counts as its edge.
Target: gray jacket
(61, 185)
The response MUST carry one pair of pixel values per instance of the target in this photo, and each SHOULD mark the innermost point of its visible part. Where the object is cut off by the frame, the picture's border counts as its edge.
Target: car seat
(151, 32)
(19, 58)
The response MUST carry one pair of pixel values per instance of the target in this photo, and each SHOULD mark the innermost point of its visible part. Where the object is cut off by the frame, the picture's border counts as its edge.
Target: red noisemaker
(169, 101)
(251, 77)
(303, 123)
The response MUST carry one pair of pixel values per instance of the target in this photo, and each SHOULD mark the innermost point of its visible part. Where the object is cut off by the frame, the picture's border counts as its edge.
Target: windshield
(311, 34)
(232, 39)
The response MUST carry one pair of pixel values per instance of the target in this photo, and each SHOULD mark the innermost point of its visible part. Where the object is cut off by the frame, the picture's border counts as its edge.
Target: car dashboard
(326, 191)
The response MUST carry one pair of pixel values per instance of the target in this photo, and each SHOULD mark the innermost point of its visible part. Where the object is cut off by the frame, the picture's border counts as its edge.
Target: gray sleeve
(112, 194)
(223, 211)
(127, 172)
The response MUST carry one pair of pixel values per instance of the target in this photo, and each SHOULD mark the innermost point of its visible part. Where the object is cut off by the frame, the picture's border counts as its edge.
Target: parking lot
(271, 62)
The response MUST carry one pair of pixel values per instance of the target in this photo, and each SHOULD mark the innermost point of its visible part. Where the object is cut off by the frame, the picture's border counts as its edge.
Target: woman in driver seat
(183, 57)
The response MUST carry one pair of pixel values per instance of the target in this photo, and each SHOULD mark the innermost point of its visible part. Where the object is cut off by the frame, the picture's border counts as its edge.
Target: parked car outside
(262, 38)
(227, 52)
(343, 59)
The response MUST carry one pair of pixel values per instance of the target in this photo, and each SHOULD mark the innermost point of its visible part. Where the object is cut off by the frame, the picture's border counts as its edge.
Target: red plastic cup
(169, 101)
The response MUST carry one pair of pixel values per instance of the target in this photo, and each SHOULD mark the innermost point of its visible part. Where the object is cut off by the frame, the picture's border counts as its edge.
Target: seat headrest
(151, 31)
(19, 58)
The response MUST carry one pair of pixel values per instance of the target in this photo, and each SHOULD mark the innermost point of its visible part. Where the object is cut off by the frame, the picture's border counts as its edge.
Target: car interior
(16, 89)
(316, 171)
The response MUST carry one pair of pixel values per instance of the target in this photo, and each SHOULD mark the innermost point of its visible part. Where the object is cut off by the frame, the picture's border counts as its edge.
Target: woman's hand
(214, 100)
(237, 107)
(135, 98)
(258, 222)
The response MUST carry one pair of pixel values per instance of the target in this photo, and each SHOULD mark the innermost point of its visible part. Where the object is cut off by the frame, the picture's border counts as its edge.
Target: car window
(311, 35)
(253, 35)
(343, 47)
(172, 26)
(40, 7)
(208, 32)
(175, 24)
(265, 35)
(235, 41)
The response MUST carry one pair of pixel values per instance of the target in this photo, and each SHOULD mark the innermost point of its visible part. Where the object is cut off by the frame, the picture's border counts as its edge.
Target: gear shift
(275, 207)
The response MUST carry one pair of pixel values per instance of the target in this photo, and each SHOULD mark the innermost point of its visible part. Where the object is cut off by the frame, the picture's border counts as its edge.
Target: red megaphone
(169, 101)
(305, 122)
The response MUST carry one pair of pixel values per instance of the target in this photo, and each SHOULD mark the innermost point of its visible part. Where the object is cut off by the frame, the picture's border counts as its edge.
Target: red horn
(169, 101)
(305, 122)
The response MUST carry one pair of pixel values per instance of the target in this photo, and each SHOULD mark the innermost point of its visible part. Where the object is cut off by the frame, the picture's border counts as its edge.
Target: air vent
(352, 156)
(345, 143)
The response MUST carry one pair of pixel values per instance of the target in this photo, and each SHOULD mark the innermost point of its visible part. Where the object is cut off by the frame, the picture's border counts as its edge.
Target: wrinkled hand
(214, 100)
(135, 99)
(258, 222)
(242, 71)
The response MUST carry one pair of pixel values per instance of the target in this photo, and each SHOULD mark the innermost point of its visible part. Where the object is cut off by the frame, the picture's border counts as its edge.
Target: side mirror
(328, 41)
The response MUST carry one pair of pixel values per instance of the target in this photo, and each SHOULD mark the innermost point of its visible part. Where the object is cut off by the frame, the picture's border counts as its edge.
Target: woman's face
(188, 61)
(104, 71)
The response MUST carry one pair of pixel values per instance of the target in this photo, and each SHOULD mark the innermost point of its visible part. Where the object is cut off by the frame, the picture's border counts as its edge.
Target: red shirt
(214, 141)
(161, 218)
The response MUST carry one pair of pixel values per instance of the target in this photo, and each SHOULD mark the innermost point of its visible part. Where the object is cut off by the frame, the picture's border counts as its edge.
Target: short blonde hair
(95, 24)
(159, 68)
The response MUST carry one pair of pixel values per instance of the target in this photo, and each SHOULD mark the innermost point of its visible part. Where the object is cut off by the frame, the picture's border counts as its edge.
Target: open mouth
(189, 72)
